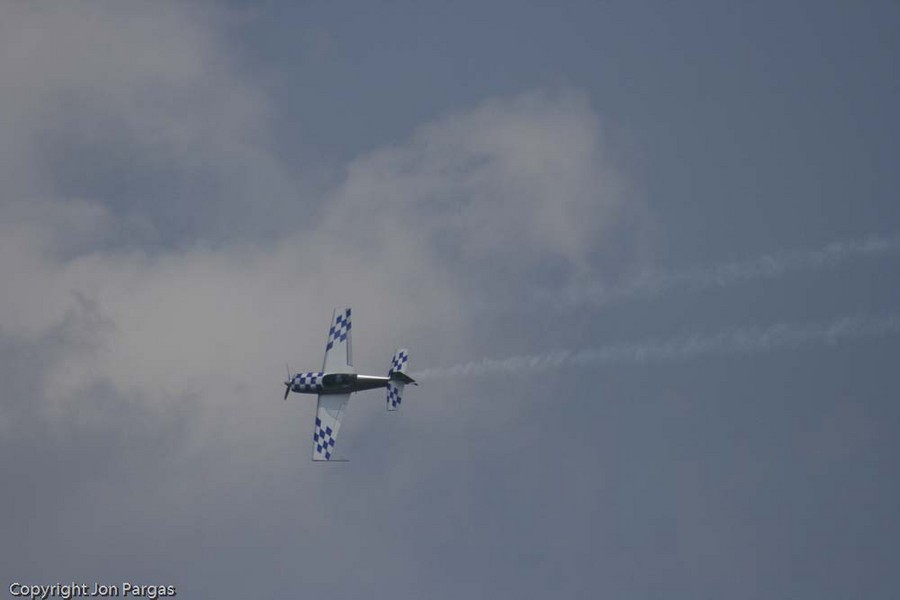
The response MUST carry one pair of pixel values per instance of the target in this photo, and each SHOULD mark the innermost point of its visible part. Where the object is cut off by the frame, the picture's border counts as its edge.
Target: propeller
(287, 382)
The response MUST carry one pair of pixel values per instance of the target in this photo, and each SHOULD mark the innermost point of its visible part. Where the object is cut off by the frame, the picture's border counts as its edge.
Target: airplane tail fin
(398, 378)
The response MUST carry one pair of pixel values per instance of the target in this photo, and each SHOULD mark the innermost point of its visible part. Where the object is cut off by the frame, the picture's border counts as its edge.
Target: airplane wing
(329, 411)
(338, 356)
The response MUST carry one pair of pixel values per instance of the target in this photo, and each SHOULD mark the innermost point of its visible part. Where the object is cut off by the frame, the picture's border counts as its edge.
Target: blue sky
(189, 190)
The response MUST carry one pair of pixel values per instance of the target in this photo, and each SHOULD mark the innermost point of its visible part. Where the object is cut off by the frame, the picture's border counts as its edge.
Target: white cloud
(476, 204)
(137, 107)
(517, 185)
(137, 331)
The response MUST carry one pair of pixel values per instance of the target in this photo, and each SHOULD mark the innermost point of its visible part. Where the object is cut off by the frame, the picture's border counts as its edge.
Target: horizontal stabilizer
(402, 378)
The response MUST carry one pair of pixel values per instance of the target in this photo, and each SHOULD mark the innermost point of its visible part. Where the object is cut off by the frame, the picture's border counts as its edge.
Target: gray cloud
(461, 192)
(143, 111)
(160, 274)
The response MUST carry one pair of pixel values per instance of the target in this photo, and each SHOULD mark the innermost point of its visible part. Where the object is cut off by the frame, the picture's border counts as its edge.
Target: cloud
(141, 179)
(160, 266)
(160, 263)
(472, 205)
(518, 186)
(139, 109)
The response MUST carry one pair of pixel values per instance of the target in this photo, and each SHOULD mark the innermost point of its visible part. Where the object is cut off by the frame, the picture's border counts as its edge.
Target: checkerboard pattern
(398, 364)
(393, 397)
(308, 382)
(339, 329)
(324, 439)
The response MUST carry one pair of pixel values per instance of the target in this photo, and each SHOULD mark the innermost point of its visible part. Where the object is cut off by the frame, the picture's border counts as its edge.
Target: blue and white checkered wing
(338, 355)
(329, 411)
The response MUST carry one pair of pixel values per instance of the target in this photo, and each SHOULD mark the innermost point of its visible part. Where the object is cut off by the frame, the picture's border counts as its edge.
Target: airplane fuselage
(335, 383)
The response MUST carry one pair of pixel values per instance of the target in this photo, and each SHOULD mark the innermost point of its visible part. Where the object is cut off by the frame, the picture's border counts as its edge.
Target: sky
(644, 256)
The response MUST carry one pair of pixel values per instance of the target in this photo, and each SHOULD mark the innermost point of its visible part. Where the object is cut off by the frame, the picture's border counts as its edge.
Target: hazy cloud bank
(146, 215)
(160, 266)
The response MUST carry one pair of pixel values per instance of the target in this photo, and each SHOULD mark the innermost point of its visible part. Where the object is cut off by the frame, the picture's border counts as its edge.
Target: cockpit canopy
(336, 381)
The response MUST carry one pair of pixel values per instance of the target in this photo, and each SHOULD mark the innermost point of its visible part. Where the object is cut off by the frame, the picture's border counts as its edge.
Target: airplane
(338, 379)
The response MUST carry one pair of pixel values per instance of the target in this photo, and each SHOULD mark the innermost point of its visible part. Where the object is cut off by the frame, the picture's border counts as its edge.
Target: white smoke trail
(763, 267)
(730, 341)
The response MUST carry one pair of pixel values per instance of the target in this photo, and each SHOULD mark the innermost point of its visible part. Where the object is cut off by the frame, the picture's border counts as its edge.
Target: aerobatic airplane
(338, 379)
